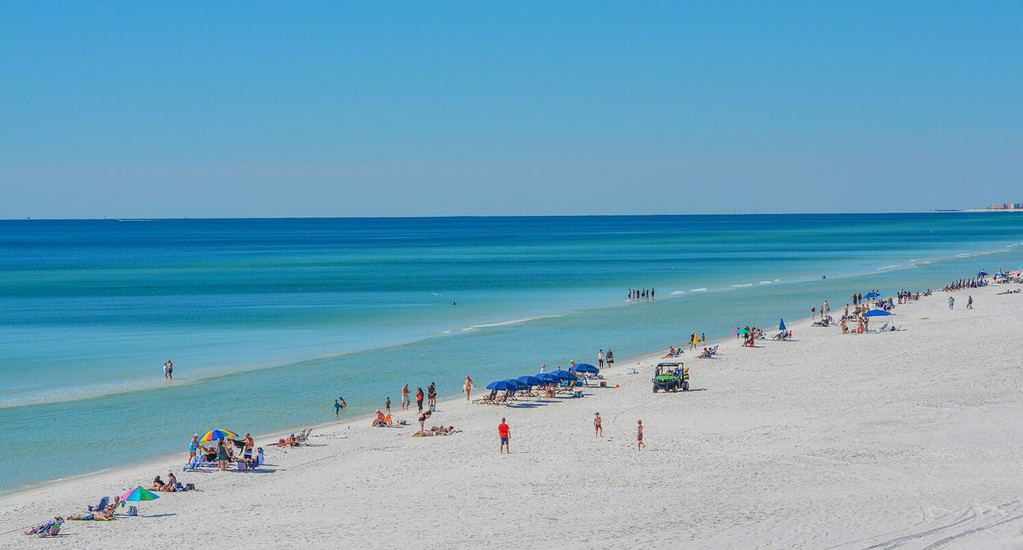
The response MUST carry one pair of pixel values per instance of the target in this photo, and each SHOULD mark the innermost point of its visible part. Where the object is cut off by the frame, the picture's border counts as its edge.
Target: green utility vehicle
(671, 376)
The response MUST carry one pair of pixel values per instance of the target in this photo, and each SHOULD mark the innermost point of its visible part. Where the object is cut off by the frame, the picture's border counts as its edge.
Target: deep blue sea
(268, 321)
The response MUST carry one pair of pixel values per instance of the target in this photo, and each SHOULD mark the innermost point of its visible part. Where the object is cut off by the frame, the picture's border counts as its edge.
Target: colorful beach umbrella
(139, 494)
(215, 434)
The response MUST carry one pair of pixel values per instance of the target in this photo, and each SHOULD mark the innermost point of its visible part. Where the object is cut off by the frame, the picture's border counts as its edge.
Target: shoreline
(736, 435)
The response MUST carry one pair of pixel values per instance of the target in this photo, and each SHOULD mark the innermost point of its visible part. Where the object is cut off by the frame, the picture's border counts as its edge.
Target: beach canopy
(586, 367)
(781, 324)
(215, 434)
(564, 375)
(877, 313)
(138, 494)
(548, 378)
(529, 380)
(870, 295)
(504, 385)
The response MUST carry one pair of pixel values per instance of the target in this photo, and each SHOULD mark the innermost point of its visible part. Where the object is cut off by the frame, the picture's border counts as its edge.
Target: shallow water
(268, 321)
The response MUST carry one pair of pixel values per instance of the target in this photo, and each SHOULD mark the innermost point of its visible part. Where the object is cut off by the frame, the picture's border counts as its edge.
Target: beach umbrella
(564, 375)
(877, 313)
(548, 378)
(982, 273)
(1001, 274)
(215, 434)
(871, 295)
(529, 380)
(501, 385)
(139, 494)
(587, 368)
(781, 324)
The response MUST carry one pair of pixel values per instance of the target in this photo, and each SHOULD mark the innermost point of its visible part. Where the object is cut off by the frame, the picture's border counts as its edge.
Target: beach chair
(101, 506)
(194, 464)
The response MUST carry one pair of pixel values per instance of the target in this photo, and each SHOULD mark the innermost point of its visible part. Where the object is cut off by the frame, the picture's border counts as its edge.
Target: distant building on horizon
(1006, 206)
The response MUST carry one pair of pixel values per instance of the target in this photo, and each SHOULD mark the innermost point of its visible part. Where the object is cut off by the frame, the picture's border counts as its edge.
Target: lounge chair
(101, 506)
(194, 464)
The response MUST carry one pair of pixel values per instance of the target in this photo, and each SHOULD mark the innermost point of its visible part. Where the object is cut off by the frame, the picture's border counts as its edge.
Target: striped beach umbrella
(215, 434)
(138, 494)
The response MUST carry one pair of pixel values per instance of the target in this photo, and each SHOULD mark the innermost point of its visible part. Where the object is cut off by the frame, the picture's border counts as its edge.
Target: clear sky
(135, 109)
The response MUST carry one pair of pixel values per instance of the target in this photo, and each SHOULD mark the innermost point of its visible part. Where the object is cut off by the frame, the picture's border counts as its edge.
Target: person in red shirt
(505, 433)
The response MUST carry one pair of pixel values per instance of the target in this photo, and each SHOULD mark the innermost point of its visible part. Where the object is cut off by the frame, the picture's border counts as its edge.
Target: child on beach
(504, 432)
(639, 435)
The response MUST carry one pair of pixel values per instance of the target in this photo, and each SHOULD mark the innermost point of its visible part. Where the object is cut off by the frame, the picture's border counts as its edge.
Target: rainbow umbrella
(138, 494)
(215, 434)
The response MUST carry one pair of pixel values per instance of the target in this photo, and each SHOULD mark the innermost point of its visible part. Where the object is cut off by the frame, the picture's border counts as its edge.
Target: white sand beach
(909, 439)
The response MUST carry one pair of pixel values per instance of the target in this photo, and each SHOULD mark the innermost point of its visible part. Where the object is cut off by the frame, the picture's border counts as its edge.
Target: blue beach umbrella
(529, 381)
(877, 313)
(548, 378)
(781, 324)
(564, 375)
(501, 385)
(982, 273)
(1001, 274)
(871, 295)
(587, 368)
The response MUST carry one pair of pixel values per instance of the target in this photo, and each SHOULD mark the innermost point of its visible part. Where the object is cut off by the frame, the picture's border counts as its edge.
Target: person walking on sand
(609, 358)
(951, 303)
(600, 359)
(431, 395)
(598, 430)
(504, 432)
(693, 342)
(969, 302)
(419, 398)
(468, 388)
(639, 435)
(405, 402)
(193, 448)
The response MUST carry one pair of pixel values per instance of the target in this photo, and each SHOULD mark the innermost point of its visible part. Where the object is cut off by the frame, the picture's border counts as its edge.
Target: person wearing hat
(193, 448)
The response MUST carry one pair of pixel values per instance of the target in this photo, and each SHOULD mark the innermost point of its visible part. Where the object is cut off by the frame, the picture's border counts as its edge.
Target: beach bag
(133, 511)
(190, 486)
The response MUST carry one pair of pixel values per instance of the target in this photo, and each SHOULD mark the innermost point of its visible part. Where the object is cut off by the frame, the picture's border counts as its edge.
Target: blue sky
(131, 109)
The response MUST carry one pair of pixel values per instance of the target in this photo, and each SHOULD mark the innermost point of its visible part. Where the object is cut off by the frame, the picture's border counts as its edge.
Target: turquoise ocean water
(267, 321)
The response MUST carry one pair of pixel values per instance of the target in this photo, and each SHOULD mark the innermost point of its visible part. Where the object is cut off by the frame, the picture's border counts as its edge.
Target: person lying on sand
(92, 516)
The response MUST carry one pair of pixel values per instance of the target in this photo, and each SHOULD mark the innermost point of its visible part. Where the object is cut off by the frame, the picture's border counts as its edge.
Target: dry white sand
(910, 439)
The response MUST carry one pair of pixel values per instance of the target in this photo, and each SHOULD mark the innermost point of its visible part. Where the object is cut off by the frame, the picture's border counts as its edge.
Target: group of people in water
(637, 294)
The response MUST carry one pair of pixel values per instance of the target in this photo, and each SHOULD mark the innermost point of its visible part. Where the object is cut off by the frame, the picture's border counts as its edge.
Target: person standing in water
(170, 369)
(337, 408)
(405, 402)
(387, 405)
(468, 388)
